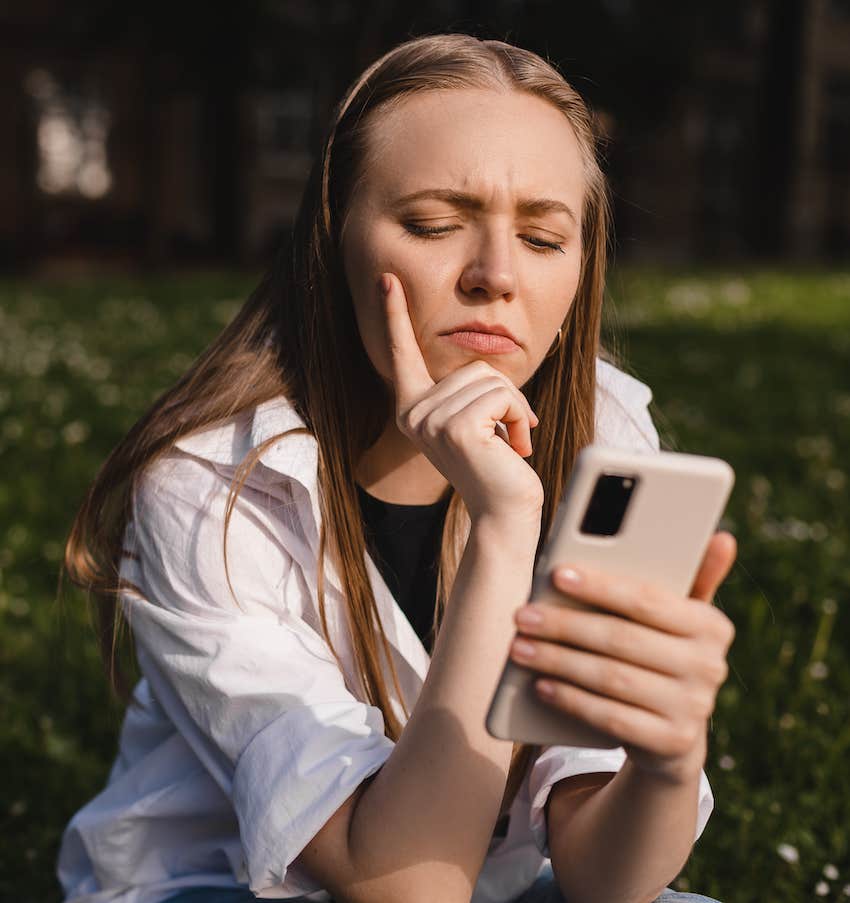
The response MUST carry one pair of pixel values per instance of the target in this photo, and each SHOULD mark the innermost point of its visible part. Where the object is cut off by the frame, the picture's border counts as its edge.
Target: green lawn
(751, 366)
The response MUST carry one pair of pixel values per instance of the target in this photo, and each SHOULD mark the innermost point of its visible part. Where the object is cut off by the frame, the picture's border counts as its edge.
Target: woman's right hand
(454, 423)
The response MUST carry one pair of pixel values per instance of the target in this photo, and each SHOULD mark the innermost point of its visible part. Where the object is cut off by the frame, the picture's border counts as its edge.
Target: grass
(751, 366)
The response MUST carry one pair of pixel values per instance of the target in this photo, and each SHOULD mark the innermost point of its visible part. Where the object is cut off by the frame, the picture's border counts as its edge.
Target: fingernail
(523, 649)
(545, 688)
(568, 575)
(385, 284)
(528, 616)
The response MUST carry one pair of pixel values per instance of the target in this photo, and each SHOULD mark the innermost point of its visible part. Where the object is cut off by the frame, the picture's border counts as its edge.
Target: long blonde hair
(296, 335)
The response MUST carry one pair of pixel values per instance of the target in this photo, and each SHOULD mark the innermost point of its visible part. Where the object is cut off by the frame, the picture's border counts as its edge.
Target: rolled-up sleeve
(623, 419)
(254, 690)
(558, 762)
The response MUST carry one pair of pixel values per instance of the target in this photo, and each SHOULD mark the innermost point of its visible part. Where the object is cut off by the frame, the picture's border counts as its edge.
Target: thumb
(411, 378)
(716, 563)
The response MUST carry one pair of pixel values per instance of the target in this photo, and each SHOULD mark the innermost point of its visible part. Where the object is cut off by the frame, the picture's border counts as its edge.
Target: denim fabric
(544, 890)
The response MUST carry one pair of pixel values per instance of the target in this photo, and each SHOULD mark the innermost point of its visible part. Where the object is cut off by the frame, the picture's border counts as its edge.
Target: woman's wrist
(507, 538)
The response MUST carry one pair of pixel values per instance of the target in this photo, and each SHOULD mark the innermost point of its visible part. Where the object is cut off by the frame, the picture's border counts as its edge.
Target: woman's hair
(296, 335)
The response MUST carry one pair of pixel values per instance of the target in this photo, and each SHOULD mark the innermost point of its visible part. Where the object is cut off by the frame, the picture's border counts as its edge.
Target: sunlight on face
(496, 258)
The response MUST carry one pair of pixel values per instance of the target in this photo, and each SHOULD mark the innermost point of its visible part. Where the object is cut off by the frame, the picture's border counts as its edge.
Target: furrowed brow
(525, 206)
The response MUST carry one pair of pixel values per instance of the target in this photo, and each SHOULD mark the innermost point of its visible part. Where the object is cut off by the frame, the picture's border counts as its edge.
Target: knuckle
(413, 416)
(702, 702)
(430, 426)
(614, 723)
(404, 421)
(615, 638)
(682, 739)
(708, 703)
(643, 605)
(456, 429)
(716, 671)
(721, 626)
(617, 680)
(500, 390)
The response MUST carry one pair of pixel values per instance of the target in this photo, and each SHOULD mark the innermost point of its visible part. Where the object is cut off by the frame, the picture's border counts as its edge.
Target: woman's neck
(394, 470)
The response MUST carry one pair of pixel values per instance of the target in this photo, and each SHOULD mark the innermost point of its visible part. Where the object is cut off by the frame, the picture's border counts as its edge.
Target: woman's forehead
(487, 143)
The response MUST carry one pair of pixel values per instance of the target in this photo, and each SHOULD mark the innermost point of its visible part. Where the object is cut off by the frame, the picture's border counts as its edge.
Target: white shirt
(248, 737)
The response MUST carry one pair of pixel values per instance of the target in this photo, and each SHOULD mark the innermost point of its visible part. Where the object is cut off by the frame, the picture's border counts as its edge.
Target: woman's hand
(652, 668)
(454, 423)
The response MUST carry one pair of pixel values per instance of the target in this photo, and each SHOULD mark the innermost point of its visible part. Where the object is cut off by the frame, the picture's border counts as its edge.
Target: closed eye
(431, 232)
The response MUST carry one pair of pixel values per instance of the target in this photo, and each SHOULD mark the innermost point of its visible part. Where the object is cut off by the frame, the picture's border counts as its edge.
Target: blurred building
(754, 159)
(163, 138)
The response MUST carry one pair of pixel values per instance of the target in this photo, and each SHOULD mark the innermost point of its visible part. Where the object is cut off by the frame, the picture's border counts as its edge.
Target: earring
(556, 344)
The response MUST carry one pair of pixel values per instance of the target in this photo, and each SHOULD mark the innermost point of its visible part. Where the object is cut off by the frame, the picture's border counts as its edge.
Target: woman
(355, 445)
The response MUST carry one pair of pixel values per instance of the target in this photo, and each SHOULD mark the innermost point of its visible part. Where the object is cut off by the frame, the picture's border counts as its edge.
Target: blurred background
(176, 133)
(152, 159)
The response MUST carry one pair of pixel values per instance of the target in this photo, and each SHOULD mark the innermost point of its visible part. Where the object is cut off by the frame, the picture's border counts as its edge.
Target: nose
(491, 271)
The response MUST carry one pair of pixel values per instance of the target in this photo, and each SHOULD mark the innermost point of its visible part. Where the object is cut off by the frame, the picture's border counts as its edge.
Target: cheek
(367, 256)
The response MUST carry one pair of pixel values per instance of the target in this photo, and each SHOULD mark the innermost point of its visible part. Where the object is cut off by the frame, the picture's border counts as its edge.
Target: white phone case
(673, 511)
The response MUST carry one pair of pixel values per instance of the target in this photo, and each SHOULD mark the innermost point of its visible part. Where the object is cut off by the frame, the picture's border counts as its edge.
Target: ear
(716, 564)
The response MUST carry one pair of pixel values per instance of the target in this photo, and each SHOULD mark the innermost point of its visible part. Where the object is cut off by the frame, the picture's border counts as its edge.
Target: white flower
(821, 888)
(788, 853)
(727, 763)
(830, 871)
(835, 478)
(75, 432)
(818, 670)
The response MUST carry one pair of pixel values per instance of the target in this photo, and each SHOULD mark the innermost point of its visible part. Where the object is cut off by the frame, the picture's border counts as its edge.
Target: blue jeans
(544, 890)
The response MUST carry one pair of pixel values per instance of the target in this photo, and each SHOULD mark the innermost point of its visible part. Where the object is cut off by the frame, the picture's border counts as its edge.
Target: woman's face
(492, 260)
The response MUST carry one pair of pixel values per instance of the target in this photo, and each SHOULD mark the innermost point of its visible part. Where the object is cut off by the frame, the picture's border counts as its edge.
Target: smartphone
(648, 516)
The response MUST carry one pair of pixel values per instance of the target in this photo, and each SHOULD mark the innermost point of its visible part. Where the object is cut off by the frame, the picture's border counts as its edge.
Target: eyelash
(431, 231)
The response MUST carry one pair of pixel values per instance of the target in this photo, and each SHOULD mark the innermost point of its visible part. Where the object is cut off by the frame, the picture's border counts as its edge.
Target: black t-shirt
(404, 542)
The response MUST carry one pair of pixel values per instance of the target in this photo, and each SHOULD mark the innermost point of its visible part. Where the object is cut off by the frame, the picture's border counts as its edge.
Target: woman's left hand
(651, 669)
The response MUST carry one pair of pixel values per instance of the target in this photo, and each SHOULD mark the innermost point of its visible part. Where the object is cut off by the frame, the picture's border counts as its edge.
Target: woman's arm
(420, 830)
(625, 840)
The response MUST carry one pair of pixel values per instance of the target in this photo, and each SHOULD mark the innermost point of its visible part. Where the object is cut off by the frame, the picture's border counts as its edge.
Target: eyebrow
(525, 206)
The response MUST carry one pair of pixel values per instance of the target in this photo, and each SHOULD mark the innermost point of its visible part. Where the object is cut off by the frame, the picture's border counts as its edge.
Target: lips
(482, 342)
(489, 328)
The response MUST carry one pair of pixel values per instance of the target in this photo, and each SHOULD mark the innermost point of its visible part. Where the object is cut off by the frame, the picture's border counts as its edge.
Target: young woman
(323, 537)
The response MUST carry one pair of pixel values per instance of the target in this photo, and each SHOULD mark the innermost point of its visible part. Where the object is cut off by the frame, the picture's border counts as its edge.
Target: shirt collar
(294, 457)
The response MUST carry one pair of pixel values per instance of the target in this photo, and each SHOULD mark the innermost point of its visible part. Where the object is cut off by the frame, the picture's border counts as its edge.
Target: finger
(614, 637)
(623, 681)
(638, 600)
(410, 373)
(463, 397)
(627, 723)
(500, 404)
(716, 564)
(476, 372)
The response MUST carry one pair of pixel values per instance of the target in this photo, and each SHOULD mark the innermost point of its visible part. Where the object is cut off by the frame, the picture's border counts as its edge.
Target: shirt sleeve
(558, 762)
(622, 411)
(253, 689)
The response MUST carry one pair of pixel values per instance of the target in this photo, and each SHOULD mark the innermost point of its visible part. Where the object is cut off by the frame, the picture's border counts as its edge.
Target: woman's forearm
(421, 830)
(627, 841)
